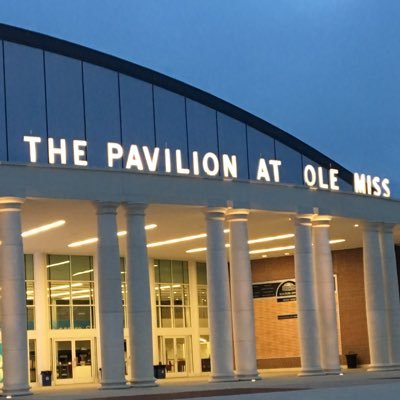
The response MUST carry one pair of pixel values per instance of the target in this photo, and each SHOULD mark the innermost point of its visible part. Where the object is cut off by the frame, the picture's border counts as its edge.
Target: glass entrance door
(73, 361)
(175, 352)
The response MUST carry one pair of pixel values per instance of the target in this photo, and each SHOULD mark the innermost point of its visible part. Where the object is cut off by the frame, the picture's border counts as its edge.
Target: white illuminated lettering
(333, 178)
(262, 170)
(369, 184)
(377, 191)
(179, 167)
(54, 151)
(359, 183)
(33, 141)
(196, 168)
(213, 170)
(151, 161)
(229, 166)
(385, 187)
(134, 159)
(310, 175)
(275, 169)
(167, 157)
(321, 182)
(78, 148)
(114, 152)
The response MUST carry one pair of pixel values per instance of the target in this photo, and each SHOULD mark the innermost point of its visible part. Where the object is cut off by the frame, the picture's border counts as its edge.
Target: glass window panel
(260, 145)
(165, 271)
(102, 112)
(177, 272)
(178, 315)
(166, 317)
(201, 270)
(58, 267)
(170, 122)
(60, 317)
(202, 128)
(32, 360)
(291, 169)
(30, 316)
(232, 141)
(205, 353)
(136, 111)
(165, 295)
(156, 271)
(28, 258)
(30, 293)
(83, 352)
(25, 96)
(185, 272)
(82, 294)
(177, 294)
(203, 317)
(81, 268)
(60, 292)
(81, 317)
(3, 133)
(202, 296)
(64, 100)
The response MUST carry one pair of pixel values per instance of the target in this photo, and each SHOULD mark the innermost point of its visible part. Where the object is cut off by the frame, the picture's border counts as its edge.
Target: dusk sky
(326, 71)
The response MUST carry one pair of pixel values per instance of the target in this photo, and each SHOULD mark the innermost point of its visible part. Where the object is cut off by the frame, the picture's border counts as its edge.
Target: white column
(138, 297)
(219, 307)
(13, 304)
(391, 291)
(244, 339)
(328, 327)
(110, 298)
(42, 324)
(377, 320)
(306, 299)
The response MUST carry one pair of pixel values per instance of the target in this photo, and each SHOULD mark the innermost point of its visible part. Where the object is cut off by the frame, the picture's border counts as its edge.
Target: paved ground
(275, 385)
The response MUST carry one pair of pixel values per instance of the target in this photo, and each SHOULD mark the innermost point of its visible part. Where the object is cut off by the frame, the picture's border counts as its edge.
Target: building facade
(144, 221)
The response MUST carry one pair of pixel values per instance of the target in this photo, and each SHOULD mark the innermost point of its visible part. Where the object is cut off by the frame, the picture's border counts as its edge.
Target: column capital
(135, 208)
(215, 213)
(303, 220)
(11, 203)
(386, 228)
(321, 221)
(238, 214)
(106, 207)
(371, 226)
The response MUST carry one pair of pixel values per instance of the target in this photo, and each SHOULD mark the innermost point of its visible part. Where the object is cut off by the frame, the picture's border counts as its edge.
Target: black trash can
(159, 371)
(46, 378)
(351, 359)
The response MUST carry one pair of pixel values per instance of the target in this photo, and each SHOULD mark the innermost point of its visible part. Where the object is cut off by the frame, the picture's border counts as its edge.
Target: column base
(143, 383)
(381, 368)
(333, 371)
(312, 372)
(223, 378)
(248, 377)
(17, 392)
(113, 385)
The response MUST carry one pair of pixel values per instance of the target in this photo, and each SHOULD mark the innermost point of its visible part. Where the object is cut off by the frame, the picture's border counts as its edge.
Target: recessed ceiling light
(334, 241)
(264, 256)
(43, 228)
(272, 249)
(356, 225)
(271, 238)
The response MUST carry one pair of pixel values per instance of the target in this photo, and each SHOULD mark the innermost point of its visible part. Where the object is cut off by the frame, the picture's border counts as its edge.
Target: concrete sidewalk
(275, 385)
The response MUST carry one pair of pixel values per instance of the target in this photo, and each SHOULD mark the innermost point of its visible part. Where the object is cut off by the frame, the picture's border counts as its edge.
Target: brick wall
(277, 340)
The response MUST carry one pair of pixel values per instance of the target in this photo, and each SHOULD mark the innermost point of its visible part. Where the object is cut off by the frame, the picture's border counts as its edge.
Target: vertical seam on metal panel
(154, 116)
(45, 94)
(247, 152)
(216, 124)
(5, 98)
(187, 133)
(120, 116)
(83, 102)
(302, 167)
